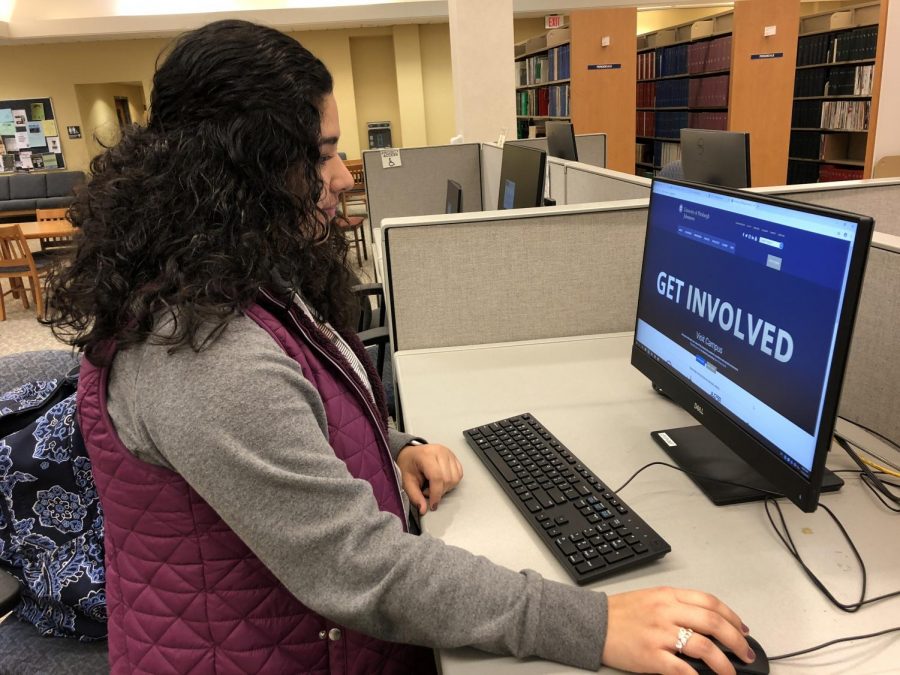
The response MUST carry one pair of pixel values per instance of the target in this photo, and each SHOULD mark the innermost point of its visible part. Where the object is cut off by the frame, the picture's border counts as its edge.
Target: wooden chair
(54, 244)
(353, 226)
(356, 196)
(17, 264)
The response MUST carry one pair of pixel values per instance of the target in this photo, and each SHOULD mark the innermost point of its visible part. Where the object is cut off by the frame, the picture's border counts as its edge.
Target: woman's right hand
(644, 625)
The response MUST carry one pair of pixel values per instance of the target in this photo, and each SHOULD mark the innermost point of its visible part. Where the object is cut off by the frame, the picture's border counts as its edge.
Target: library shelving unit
(836, 54)
(683, 77)
(542, 80)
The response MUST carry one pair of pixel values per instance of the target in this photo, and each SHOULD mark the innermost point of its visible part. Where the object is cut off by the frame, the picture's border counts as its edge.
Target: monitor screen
(561, 140)
(745, 311)
(521, 177)
(454, 197)
(716, 157)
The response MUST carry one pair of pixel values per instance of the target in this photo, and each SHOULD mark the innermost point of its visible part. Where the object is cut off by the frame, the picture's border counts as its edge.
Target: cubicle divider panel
(417, 185)
(536, 143)
(879, 199)
(556, 178)
(871, 393)
(591, 149)
(586, 186)
(498, 279)
(491, 163)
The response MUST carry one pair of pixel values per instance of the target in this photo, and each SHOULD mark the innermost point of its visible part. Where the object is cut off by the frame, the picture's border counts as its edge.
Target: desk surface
(47, 228)
(587, 393)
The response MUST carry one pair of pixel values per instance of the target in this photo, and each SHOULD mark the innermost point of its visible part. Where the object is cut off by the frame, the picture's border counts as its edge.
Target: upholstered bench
(22, 193)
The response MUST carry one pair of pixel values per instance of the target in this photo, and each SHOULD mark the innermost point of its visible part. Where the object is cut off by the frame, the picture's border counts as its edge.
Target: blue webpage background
(801, 298)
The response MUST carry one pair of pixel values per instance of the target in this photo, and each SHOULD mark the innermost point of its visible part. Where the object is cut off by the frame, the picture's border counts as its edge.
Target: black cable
(791, 655)
(766, 493)
(787, 540)
(877, 434)
(867, 475)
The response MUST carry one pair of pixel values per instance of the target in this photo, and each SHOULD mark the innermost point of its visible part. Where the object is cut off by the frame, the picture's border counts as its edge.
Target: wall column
(484, 81)
(885, 94)
(410, 91)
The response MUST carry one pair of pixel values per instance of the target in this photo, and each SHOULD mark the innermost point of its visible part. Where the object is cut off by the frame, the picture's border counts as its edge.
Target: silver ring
(684, 634)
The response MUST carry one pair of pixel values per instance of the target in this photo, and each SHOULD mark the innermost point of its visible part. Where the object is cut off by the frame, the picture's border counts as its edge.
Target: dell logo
(698, 408)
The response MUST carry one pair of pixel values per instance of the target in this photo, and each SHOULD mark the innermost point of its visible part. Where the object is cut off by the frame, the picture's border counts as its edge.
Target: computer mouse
(759, 667)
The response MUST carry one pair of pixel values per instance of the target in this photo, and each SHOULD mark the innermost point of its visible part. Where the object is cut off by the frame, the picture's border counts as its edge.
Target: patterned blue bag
(51, 523)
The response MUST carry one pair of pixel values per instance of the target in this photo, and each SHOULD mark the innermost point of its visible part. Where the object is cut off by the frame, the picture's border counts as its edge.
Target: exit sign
(553, 21)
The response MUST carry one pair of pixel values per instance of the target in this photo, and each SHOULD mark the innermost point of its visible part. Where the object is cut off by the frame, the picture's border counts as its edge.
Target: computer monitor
(521, 177)
(716, 157)
(745, 312)
(454, 197)
(561, 140)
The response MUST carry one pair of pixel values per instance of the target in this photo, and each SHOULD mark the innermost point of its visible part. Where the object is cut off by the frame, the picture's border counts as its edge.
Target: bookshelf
(683, 78)
(543, 81)
(833, 87)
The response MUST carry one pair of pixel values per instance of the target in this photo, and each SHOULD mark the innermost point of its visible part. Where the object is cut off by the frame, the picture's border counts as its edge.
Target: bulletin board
(29, 136)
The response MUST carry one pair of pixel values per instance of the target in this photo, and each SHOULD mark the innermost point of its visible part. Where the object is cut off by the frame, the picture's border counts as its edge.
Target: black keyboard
(590, 530)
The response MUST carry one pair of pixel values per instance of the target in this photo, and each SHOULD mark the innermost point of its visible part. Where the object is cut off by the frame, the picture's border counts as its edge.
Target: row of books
(708, 120)
(806, 144)
(670, 124)
(643, 153)
(549, 67)
(835, 81)
(703, 56)
(807, 172)
(648, 123)
(665, 153)
(853, 45)
(836, 148)
(533, 70)
(807, 114)
(830, 172)
(700, 92)
(552, 101)
(852, 115)
(709, 55)
(558, 67)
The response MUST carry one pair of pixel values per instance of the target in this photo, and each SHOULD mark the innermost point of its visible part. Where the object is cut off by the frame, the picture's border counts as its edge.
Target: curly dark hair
(190, 215)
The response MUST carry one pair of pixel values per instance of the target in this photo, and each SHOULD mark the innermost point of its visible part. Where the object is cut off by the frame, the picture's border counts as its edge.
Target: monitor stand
(697, 449)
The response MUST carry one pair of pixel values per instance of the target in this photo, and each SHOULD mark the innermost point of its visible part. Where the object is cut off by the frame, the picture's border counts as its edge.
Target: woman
(256, 504)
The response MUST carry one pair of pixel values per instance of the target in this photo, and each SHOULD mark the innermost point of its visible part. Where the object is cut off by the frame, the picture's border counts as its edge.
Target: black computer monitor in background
(716, 157)
(454, 197)
(521, 177)
(745, 311)
(561, 140)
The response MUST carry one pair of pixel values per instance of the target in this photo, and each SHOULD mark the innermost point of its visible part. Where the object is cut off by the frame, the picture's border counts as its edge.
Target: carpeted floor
(21, 331)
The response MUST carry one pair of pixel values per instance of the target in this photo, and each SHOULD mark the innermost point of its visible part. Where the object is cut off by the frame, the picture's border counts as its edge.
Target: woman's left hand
(428, 472)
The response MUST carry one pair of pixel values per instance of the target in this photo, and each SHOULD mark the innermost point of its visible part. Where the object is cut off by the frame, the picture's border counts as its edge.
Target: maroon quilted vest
(185, 595)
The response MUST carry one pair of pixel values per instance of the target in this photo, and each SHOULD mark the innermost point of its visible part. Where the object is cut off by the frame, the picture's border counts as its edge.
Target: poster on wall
(29, 136)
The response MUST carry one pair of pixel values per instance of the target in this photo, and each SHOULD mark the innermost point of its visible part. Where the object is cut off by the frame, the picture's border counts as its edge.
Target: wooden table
(46, 228)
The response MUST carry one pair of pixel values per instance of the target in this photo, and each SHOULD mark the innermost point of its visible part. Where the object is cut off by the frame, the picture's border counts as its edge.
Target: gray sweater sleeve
(248, 432)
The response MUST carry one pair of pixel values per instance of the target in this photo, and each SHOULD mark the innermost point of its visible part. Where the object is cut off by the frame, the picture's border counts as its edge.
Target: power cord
(877, 485)
(785, 536)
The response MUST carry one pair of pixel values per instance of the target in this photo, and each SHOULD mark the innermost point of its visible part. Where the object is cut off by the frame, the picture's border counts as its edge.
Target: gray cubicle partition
(879, 198)
(491, 162)
(513, 275)
(871, 395)
(530, 274)
(585, 185)
(591, 147)
(419, 185)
